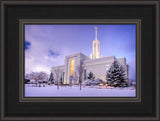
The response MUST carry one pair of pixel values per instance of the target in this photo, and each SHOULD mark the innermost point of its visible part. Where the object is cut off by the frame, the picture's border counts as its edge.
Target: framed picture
(80, 60)
(71, 73)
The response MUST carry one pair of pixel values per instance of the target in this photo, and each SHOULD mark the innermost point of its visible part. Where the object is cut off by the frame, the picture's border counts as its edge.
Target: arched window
(71, 67)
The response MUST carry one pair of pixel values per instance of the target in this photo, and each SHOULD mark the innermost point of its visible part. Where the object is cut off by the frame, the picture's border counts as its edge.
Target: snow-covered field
(74, 91)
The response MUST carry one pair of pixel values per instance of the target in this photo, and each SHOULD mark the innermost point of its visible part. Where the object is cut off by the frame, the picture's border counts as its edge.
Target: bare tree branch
(57, 73)
(80, 70)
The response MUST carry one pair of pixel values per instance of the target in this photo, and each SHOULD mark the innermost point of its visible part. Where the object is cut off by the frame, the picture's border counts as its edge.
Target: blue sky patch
(27, 45)
(52, 53)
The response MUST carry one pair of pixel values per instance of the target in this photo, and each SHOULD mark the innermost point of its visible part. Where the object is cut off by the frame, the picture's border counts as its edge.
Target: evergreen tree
(91, 76)
(116, 75)
(51, 78)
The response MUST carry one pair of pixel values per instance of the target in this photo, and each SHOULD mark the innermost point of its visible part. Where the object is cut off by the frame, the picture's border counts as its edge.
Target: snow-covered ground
(74, 91)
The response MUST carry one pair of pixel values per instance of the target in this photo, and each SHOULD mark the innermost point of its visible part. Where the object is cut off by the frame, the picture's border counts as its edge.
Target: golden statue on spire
(96, 28)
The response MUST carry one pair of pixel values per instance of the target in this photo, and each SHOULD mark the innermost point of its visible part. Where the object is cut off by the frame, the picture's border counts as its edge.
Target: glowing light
(71, 67)
(96, 28)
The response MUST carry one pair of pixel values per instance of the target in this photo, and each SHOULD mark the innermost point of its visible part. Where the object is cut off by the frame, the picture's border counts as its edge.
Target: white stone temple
(75, 63)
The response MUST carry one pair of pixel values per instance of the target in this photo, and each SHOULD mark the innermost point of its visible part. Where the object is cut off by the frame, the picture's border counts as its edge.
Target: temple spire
(95, 47)
(95, 33)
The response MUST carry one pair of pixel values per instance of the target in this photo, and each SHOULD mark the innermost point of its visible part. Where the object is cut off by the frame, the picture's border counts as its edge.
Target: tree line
(115, 76)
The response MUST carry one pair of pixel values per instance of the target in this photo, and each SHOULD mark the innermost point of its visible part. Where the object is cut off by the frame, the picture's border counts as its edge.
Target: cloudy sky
(47, 45)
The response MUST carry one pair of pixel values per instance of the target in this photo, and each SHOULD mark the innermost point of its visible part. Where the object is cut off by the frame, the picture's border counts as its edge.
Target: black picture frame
(12, 108)
(23, 22)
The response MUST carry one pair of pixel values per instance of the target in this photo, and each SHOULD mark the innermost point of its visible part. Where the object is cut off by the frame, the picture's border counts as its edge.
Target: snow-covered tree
(27, 76)
(57, 74)
(74, 79)
(51, 78)
(33, 75)
(37, 75)
(90, 82)
(116, 75)
(80, 70)
(43, 76)
(91, 76)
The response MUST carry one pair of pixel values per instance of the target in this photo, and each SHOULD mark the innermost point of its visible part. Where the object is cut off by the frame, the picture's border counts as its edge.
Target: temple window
(85, 74)
(71, 67)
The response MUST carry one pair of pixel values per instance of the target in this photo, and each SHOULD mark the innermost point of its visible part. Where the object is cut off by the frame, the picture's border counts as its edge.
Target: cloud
(41, 53)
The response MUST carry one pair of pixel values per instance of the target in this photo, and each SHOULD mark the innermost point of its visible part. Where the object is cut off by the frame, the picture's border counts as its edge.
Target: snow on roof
(100, 60)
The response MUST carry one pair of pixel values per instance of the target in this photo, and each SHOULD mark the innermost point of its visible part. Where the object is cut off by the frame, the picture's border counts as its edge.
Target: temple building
(79, 64)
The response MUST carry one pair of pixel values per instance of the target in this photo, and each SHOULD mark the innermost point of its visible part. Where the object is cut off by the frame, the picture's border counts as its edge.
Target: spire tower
(95, 33)
(95, 47)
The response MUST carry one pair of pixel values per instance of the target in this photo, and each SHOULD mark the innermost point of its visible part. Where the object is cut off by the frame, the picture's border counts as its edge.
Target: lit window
(71, 67)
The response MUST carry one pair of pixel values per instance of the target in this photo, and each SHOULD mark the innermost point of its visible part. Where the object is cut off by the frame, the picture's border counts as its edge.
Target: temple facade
(79, 64)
